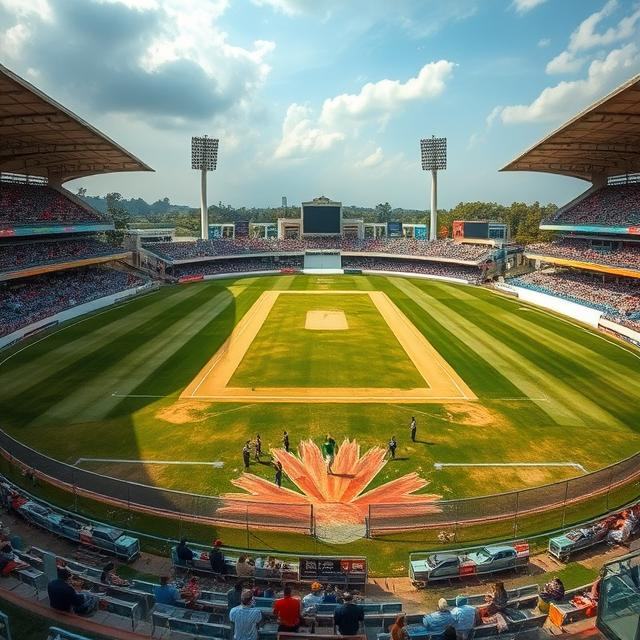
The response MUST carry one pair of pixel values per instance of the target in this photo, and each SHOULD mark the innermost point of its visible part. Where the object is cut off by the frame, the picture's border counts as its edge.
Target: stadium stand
(238, 265)
(625, 256)
(422, 267)
(18, 256)
(613, 205)
(618, 299)
(398, 246)
(27, 300)
(22, 204)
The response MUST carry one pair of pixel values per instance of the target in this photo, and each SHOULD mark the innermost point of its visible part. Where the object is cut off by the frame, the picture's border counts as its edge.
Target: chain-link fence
(159, 501)
(515, 513)
(506, 515)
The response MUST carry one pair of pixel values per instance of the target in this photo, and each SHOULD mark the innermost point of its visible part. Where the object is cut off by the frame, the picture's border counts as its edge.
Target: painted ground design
(109, 386)
(271, 356)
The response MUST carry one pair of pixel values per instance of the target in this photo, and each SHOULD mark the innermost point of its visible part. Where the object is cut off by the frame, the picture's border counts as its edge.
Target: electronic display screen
(321, 219)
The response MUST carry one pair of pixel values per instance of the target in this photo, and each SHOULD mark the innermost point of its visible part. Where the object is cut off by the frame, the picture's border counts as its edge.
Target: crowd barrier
(499, 516)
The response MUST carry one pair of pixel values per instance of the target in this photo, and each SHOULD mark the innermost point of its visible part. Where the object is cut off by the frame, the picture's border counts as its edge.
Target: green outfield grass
(549, 390)
(285, 354)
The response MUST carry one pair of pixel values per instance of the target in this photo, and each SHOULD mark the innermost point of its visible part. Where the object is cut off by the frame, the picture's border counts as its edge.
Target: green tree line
(523, 219)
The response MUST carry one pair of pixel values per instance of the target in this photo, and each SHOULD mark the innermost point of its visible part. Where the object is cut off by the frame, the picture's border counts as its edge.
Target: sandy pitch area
(211, 382)
(320, 320)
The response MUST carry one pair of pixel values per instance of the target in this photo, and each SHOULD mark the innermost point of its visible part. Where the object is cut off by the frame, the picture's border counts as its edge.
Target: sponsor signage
(191, 278)
(420, 232)
(242, 229)
(394, 229)
(328, 568)
(9, 232)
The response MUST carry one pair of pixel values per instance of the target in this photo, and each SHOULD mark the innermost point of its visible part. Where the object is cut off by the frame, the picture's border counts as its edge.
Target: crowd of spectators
(17, 256)
(238, 265)
(397, 246)
(626, 256)
(25, 301)
(424, 267)
(22, 204)
(617, 205)
(618, 299)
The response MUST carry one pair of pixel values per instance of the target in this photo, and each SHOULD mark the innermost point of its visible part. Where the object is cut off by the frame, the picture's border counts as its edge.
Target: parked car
(485, 560)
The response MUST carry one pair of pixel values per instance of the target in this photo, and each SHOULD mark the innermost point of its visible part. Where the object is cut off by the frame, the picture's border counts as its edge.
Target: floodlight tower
(204, 156)
(433, 152)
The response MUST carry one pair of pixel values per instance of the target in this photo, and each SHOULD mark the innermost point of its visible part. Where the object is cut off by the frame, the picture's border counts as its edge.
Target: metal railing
(499, 516)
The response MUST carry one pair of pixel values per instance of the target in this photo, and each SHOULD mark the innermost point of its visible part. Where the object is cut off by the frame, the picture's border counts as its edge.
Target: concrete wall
(559, 305)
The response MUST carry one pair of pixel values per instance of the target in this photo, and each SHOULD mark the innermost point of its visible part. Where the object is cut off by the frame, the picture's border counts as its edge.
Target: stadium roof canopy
(39, 137)
(601, 141)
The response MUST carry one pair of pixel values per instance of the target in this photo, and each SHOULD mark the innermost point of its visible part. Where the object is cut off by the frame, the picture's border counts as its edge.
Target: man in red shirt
(287, 610)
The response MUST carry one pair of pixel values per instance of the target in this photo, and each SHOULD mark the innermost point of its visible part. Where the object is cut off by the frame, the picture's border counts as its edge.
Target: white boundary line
(218, 464)
(575, 465)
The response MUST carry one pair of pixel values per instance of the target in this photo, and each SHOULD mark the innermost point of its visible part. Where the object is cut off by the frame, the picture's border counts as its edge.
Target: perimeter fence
(157, 500)
(493, 517)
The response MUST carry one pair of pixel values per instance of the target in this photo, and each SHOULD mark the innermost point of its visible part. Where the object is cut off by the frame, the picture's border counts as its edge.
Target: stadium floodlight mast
(433, 152)
(204, 156)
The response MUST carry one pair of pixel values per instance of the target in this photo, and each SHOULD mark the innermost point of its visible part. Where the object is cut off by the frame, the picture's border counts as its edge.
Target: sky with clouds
(313, 97)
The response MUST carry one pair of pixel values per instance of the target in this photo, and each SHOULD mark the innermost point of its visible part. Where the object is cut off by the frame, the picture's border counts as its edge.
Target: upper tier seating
(22, 204)
(611, 206)
(398, 246)
(18, 256)
(626, 256)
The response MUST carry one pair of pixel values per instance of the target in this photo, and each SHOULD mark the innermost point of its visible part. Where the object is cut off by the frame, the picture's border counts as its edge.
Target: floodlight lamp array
(204, 153)
(433, 152)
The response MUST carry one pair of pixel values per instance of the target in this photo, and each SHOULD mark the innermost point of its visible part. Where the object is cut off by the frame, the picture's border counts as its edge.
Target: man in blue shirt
(439, 620)
(166, 593)
(465, 617)
(245, 618)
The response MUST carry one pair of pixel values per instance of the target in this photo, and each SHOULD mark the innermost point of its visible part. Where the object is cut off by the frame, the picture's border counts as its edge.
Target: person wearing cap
(216, 558)
(465, 617)
(348, 617)
(287, 610)
(313, 599)
(439, 620)
(245, 618)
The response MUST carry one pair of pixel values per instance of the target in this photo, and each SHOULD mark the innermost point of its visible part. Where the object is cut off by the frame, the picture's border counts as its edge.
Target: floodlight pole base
(433, 223)
(204, 212)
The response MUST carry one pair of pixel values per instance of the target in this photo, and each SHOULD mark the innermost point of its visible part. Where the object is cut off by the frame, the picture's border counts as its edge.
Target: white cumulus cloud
(386, 96)
(300, 136)
(587, 37)
(566, 98)
(302, 133)
(523, 6)
(372, 160)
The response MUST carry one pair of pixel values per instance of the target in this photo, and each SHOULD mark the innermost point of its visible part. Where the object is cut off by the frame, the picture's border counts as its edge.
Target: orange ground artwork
(340, 502)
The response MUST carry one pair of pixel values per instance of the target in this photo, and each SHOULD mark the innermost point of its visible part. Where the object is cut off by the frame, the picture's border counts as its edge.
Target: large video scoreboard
(321, 217)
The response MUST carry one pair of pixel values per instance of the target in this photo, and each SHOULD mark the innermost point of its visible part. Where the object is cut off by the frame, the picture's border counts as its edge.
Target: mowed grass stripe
(47, 392)
(549, 394)
(564, 338)
(551, 348)
(484, 379)
(182, 366)
(94, 400)
(59, 351)
(578, 392)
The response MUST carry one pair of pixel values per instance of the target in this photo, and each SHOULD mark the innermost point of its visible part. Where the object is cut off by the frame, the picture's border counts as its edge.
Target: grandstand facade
(594, 259)
(54, 259)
